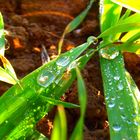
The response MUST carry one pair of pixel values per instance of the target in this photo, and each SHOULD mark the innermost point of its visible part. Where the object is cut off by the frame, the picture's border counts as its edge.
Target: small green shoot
(78, 130)
(73, 25)
(60, 125)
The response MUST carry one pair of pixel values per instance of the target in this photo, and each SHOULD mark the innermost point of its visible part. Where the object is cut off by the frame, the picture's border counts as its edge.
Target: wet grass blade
(121, 101)
(77, 133)
(60, 125)
(73, 25)
(25, 105)
(122, 106)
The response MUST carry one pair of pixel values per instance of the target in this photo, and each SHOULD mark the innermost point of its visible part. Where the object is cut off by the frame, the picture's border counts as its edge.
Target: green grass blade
(135, 37)
(120, 28)
(132, 47)
(78, 130)
(81, 92)
(58, 102)
(129, 35)
(6, 64)
(5, 77)
(120, 101)
(74, 24)
(129, 4)
(2, 41)
(25, 105)
(60, 125)
(131, 19)
(125, 15)
(108, 17)
(8, 68)
(132, 44)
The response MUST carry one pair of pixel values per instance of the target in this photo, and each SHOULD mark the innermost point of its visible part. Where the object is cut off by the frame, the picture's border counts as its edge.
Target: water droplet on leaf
(116, 127)
(92, 39)
(45, 78)
(109, 53)
(121, 106)
(120, 86)
(63, 61)
(111, 105)
(116, 78)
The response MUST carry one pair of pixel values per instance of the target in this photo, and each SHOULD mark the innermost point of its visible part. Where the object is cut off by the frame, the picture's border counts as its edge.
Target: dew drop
(63, 61)
(109, 53)
(111, 105)
(129, 122)
(107, 97)
(123, 117)
(45, 78)
(136, 123)
(101, 8)
(113, 98)
(116, 78)
(134, 115)
(116, 128)
(121, 107)
(71, 50)
(92, 39)
(6, 121)
(120, 86)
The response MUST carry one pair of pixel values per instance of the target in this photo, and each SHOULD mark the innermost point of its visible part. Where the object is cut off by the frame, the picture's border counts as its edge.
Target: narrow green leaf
(77, 133)
(2, 41)
(131, 19)
(125, 15)
(74, 24)
(132, 47)
(130, 4)
(129, 35)
(109, 15)
(5, 77)
(120, 28)
(8, 68)
(60, 125)
(81, 92)
(120, 101)
(58, 102)
(25, 105)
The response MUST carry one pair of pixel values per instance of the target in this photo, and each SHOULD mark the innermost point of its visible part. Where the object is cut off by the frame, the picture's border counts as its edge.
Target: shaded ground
(41, 22)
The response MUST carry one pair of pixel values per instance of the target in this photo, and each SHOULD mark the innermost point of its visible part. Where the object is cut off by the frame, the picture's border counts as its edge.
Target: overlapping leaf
(25, 105)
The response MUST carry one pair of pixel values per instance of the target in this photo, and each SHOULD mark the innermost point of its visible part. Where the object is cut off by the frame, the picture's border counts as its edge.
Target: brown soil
(41, 22)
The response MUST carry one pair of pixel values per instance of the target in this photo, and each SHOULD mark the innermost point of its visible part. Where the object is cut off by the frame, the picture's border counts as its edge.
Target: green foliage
(60, 125)
(35, 95)
(23, 102)
(121, 95)
(2, 42)
(78, 130)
